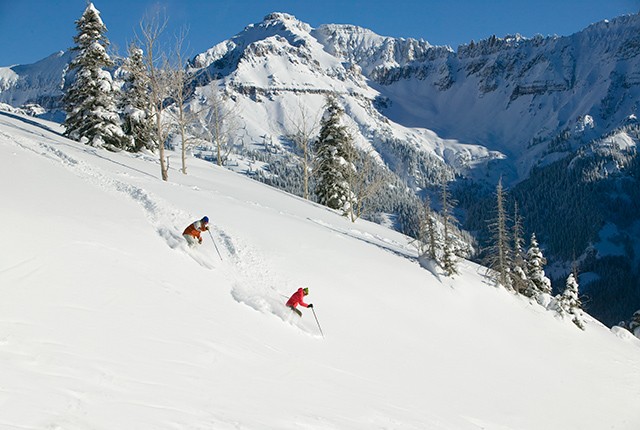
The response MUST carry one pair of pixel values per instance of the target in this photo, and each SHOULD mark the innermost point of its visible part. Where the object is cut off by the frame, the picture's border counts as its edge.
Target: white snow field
(108, 321)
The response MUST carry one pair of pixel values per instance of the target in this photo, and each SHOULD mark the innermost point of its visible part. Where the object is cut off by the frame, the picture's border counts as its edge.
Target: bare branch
(304, 128)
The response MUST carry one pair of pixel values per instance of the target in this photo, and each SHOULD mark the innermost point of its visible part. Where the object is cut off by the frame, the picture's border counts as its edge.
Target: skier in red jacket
(298, 299)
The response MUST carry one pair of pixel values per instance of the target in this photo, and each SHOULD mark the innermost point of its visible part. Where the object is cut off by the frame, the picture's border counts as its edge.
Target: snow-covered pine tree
(428, 240)
(634, 324)
(334, 154)
(519, 273)
(499, 258)
(90, 100)
(537, 282)
(569, 303)
(135, 103)
(449, 258)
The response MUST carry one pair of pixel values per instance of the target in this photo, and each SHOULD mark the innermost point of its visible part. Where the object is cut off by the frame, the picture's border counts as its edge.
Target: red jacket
(297, 299)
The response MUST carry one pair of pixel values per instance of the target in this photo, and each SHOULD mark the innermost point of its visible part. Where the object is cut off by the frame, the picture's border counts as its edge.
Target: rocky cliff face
(510, 94)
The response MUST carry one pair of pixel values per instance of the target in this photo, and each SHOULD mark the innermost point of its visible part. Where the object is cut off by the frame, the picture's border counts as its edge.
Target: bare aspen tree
(221, 124)
(304, 128)
(364, 181)
(179, 92)
(427, 240)
(159, 81)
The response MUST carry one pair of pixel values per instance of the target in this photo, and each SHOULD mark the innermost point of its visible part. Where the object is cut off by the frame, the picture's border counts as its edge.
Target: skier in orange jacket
(192, 232)
(298, 299)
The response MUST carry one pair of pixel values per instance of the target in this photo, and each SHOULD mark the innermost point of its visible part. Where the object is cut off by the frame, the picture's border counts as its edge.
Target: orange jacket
(195, 229)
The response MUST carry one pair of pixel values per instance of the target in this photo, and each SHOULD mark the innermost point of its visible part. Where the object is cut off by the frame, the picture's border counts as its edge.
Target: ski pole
(318, 322)
(214, 244)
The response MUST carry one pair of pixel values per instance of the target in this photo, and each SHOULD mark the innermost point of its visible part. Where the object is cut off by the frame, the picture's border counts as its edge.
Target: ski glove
(310, 305)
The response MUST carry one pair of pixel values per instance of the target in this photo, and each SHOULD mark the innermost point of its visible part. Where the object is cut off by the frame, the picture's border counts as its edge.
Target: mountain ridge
(461, 86)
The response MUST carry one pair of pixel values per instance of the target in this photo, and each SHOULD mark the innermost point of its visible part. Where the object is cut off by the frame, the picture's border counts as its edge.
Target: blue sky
(33, 29)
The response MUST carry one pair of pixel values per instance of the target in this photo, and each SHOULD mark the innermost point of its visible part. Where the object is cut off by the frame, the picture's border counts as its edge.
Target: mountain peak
(279, 16)
(286, 21)
(276, 25)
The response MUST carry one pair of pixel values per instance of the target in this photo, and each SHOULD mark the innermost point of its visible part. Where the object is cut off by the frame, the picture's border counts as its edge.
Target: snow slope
(107, 321)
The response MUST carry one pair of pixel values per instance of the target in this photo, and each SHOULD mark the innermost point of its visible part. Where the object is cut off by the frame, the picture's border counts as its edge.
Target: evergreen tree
(136, 105)
(569, 304)
(432, 231)
(537, 281)
(90, 101)
(499, 258)
(427, 234)
(634, 324)
(449, 258)
(334, 155)
(519, 274)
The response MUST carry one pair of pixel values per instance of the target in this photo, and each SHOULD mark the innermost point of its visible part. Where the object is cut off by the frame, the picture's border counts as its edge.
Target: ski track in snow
(258, 287)
(165, 219)
(255, 285)
(382, 243)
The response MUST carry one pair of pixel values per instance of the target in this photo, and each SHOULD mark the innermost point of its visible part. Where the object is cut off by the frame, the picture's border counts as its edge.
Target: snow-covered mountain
(274, 67)
(507, 107)
(40, 83)
(511, 94)
(107, 319)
